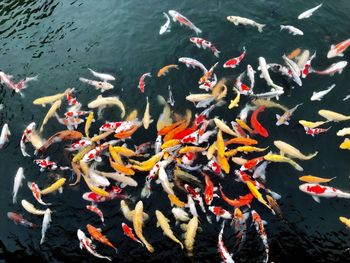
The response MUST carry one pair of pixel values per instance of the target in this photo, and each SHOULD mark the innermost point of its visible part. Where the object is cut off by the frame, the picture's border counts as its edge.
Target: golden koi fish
(291, 151)
(257, 194)
(138, 223)
(282, 159)
(90, 119)
(50, 99)
(51, 112)
(53, 187)
(314, 179)
(190, 234)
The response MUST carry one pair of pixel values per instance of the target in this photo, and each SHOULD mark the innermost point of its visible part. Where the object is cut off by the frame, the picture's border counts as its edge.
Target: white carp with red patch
(110, 126)
(317, 190)
(49, 165)
(97, 211)
(183, 21)
(191, 62)
(225, 255)
(85, 242)
(202, 43)
(95, 153)
(142, 84)
(259, 226)
(337, 50)
(315, 131)
(76, 146)
(234, 62)
(306, 70)
(76, 113)
(113, 193)
(26, 136)
(219, 212)
(195, 195)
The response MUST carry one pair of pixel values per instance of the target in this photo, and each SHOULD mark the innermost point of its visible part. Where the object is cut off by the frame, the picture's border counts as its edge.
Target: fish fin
(217, 218)
(286, 123)
(260, 27)
(98, 159)
(264, 222)
(60, 190)
(316, 198)
(340, 55)
(80, 245)
(261, 76)
(277, 116)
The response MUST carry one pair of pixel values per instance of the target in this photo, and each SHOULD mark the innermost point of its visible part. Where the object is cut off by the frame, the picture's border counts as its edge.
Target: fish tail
(197, 30)
(310, 156)
(216, 53)
(260, 27)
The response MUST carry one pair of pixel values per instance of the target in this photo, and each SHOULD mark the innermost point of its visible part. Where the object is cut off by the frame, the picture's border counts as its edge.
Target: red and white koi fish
(188, 158)
(110, 126)
(128, 232)
(191, 138)
(316, 191)
(18, 219)
(337, 50)
(195, 195)
(69, 114)
(334, 68)
(76, 146)
(202, 43)
(215, 167)
(209, 190)
(97, 211)
(99, 85)
(306, 70)
(259, 226)
(146, 191)
(71, 123)
(225, 255)
(219, 212)
(183, 21)
(72, 101)
(25, 137)
(142, 84)
(251, 164)
(5, 135)
(191, 62)
(243, 88)
(36, 193)
(114, 193)
(278, 68)
(7, 80)
(315, 131)
(95, 154)
(234, 62)
(86, 243)
(47, 164)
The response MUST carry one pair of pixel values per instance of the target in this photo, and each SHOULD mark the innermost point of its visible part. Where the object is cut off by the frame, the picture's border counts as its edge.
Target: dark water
(59, 39)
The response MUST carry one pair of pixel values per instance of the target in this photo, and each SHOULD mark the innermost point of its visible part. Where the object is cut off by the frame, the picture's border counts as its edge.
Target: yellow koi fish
(170, 143)
(124, 151)
(235, 101)
(129, 214)
(190, 234)
(51, 112)
(314, 179)
(345, 221)
(244, 125)
(291, 151)
(193, 149)
(90, 119)
(249, 149)
(312, 125)
(138, 223)
(255, 192)
(220, 144)
(176, 201)
(345, 145)
(282, 159)
(148, 165)
(223, 127)
(146, 120)
(163, 223)
(53, 187)
(50, 99)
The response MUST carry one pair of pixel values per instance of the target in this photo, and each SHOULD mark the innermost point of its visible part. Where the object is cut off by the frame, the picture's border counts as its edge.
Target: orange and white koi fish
(183, 21)
(97, 211)
(99, 85)
(142, 84)
(97, 235)
(128, 232)
(225, 255)
(164, 70)
(86, 243)
(338, 49)
(259, 226)
(36, 193)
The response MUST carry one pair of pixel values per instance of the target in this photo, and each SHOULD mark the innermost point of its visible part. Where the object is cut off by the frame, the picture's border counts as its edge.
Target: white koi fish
(309, 12)
(316, 191)
(236, 20)
(294, 69)
(166, 27)
(190, 62)
(46, 224)
(17, 183)
(291, 29)
(250, 73)
(102, 76)
(86, 243)
(5, 135)
(334, 68)
(319, 95)
(265, 74)
(225, 255)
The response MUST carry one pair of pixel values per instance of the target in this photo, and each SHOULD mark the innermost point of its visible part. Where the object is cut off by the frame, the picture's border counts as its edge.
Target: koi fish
(183, 21)
(45, 224)
(250, 73)
(102, 76)
(97, 235)
(236, 20)
(209, 190)
(102, 102)
(114, 193)
(25, 138)
(251, 164)
(163, 223)
(319, 95)
(294, 53)
(61, 136)
(190, 234)
(276, 210)
(51, 112)
(97, 211)
(294, 70)
(129, 214)
(345, 145)
(234, 62)
(99, 85)
(166, 27)
(129, 233)
(259, 226)
(343, 132)
(291, 29)
(291, 151)
(142, 84)
(219, 212)
(310, 124)
(72, 101)
(164, 70)
(282, 159)
(255, 124)
(285, 117)
(18, 219)
(239, 202)
(31, 209)
(90, 119)
(345, 221)
(146, 116)
(306, 69)
(49, 165)
(333, 116)
(36, 192)
(332, 69)
(85, 242)
(317, 191)
(79, 145)
(315, 131)
(309, 12)
(5, 135)
(22, 84)
(337, 50)
(17, 183)
(225, 255)
(202, 43)
(314, 179)
(53, 187)
(191, 62)
(138, 223)
(180, 214)
(51, 99)
(170, 100)
(265, 74)
(255, 192)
